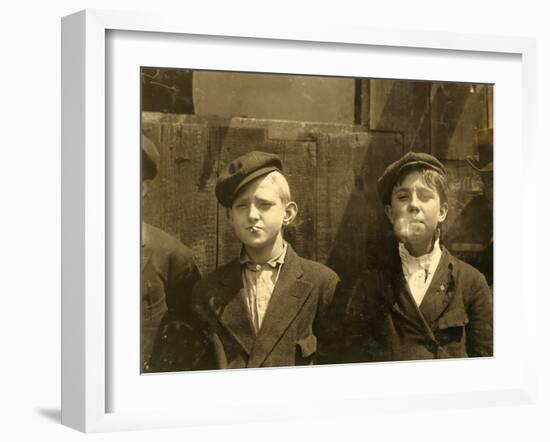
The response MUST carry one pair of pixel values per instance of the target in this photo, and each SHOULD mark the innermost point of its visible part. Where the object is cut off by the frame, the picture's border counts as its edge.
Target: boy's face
(258, 214)
(415, 209)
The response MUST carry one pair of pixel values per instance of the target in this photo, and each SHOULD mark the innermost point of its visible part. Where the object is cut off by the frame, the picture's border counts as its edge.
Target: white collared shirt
(419, 270)
(259, 282)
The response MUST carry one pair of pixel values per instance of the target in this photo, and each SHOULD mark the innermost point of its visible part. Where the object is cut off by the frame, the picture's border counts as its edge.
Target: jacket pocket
(453, 318)
(450, 332)
(306, 349)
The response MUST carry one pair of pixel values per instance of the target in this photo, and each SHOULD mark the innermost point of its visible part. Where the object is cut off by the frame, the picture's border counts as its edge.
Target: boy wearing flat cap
(268, 307)
(420, 302)
(168, 274)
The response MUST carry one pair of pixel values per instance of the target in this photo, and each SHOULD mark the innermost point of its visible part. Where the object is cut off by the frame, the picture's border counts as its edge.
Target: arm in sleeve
(479, 331)
(327, 324)
(183, 275)
(175, 345)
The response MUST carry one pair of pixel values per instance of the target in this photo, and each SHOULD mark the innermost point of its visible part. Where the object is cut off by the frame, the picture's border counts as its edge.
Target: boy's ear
(443, 210)
(291, 210)
(387, 211)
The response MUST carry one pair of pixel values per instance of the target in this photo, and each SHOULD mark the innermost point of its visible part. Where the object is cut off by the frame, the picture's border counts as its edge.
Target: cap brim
(413, 164)
(387, 181)
(475, 165)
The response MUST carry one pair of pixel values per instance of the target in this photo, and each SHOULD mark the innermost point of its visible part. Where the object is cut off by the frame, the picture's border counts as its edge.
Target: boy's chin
(257, 241)
(405, 230)
(416, 236)
(419, 243)
(255, 244)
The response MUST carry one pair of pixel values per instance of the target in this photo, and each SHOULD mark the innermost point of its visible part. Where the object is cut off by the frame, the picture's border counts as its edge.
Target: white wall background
(30, 218)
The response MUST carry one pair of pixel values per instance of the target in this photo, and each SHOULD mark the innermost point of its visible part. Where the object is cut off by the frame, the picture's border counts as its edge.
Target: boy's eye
(402, 196)
(425, 195)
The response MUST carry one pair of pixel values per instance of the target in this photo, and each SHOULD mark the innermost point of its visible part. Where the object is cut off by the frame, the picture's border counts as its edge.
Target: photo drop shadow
(51, 414)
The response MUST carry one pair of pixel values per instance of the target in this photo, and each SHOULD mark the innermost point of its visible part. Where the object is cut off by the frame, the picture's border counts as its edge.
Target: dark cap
(150, 158)
(395, 170)
(243, 170)
(483, 162)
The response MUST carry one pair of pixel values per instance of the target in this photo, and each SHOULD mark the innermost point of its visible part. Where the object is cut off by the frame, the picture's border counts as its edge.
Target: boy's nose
(413, 202)
(253, 213)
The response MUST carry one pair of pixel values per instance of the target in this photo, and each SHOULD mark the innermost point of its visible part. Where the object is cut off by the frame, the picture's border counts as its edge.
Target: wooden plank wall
(438, 118)
(182, 200)
(331, 173)
(331, 168)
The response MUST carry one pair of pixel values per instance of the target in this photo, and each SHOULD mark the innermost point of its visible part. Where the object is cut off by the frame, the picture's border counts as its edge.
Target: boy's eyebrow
(264, 199)
(400, 188)
(241, 199)
(424, 188)
(427, 189)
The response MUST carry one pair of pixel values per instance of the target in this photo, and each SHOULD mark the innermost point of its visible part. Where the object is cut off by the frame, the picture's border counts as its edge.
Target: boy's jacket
(454, 319)
(296, 330)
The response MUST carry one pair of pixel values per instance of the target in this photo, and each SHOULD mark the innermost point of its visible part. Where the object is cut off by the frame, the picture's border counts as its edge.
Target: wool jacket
(384, 323)
(168, 274)
(296, 329)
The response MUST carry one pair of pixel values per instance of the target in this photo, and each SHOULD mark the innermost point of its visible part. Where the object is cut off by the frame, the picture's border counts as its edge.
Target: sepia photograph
(295, 220)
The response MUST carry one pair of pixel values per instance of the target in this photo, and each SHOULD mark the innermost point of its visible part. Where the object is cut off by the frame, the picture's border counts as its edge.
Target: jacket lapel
(289, 295)
(229, 306)
(394, 283)
(402, 302)
(397, 294)
(440, 292)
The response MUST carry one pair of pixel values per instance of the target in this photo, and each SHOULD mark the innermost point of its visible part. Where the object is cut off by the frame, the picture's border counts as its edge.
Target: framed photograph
(160, 119)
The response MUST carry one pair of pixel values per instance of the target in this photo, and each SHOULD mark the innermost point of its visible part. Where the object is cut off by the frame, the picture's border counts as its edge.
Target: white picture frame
(87, 208)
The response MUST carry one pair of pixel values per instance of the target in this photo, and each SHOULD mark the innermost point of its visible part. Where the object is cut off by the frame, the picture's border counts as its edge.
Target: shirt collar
(244, 259)
(412, 263)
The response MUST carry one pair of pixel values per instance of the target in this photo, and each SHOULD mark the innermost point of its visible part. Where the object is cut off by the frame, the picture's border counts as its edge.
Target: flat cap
(243, 170)
(150, 158)
(394, 171)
